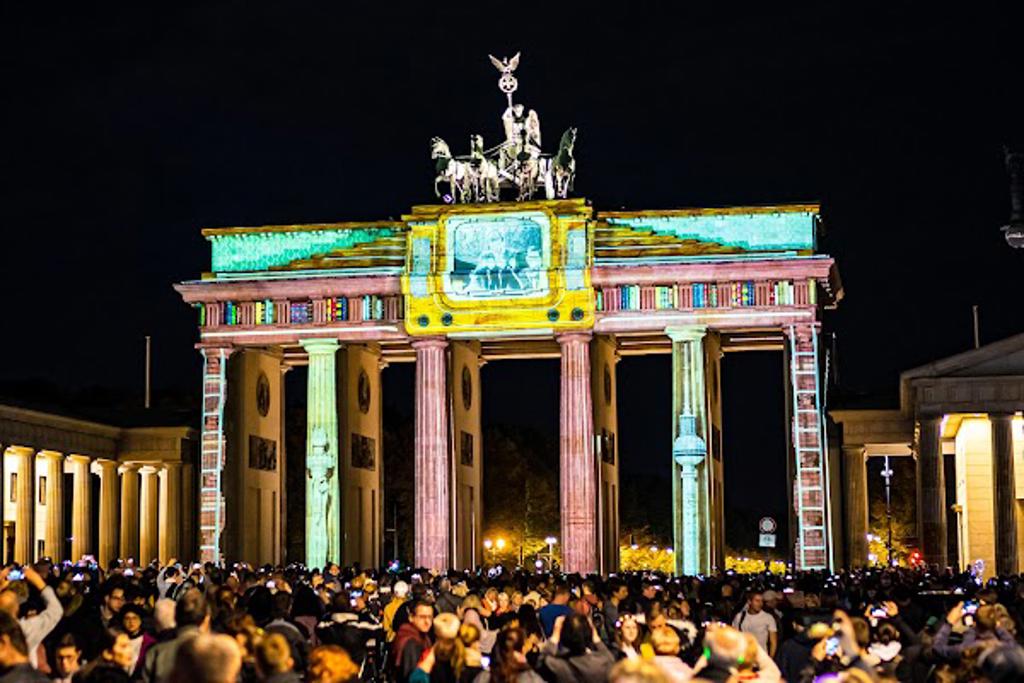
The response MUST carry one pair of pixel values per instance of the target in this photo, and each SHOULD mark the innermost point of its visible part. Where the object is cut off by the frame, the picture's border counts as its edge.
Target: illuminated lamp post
(499, 546)
(688, 450)
(489, 545)
(551, 541)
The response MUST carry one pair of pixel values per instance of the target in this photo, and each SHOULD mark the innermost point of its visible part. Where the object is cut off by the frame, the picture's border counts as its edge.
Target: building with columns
(450, 287)
(74, 487)
(960, 419)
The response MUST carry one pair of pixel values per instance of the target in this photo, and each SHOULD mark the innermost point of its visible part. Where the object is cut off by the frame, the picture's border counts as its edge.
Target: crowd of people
(198, 623)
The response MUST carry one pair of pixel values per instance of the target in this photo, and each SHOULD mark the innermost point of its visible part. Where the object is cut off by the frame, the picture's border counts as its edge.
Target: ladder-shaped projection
(212, 455)
(810, 486)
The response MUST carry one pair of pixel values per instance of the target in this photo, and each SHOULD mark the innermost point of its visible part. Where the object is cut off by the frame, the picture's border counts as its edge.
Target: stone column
(130, 511)
(188, 511)
(689, 447)
(107, 546)
(53, 470)
(148, 514)
(856, 502)
(81, 507)
(170, 511)
(1004, 496)
(323, 505)
(24, 504)
(690, 534)
(578, 474)
(432, 469)
(931, 491)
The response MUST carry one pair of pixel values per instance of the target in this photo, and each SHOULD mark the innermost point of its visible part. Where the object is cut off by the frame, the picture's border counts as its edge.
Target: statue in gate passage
(518, 163)
(319, 501)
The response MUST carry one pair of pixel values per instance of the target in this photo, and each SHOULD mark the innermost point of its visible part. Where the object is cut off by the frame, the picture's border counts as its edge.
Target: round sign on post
(767, 525)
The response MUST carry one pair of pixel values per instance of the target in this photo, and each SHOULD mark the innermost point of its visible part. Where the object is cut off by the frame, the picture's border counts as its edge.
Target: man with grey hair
(192, 616)
(207, 658)
(163, 619)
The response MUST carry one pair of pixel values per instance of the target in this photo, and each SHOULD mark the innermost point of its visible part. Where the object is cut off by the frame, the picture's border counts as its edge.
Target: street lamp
(551, 541)
(501, 544)
(488, 545)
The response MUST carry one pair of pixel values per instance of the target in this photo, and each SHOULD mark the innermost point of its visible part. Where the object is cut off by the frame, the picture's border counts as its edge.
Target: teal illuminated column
(323, 518)
(689, 448)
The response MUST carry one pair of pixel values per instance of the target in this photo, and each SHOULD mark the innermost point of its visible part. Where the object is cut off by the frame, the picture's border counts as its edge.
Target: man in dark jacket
(412, 639)
(192, 615)
(795, 653)
(574, 653)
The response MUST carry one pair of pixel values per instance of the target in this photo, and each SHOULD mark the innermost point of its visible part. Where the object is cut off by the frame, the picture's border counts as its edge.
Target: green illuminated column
(689, 448)
(323, 518)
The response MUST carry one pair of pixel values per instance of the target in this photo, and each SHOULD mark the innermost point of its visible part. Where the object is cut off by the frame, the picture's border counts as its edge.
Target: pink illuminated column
(432, 486)
(578, 475)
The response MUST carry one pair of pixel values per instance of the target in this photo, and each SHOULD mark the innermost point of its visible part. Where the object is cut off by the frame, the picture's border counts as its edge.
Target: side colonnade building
(74, 487)
(450, 287)
(960, 419)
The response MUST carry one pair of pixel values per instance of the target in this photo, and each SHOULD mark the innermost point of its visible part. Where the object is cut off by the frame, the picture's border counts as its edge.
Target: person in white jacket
(37, 626)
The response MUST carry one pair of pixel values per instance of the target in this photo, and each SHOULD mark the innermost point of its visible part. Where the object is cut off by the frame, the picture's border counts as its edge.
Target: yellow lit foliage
(750, 565)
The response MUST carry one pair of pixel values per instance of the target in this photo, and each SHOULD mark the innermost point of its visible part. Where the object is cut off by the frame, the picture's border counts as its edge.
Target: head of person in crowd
(400, 591)
(273, 656)
(655, 617)
(243, 629)
(113, 600)
(617, 590)
(561, 594)
(508, 658)
(331, 664)
(628, 634)
(577, 635)
(192, 611)
(13, 648)
(116, 648)
(1002, 664)
(67, 657)
(469, 636)
(755, 602)
(163, 615)
(422, 616)
(448, 648)
(649, 589)
(207, 658)
(527, 618)
(665, 641)
(130, 620)
(724, 647)
(636, 670)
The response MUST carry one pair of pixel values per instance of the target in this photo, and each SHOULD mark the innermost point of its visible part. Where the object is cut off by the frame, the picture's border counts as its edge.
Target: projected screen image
(498, 256)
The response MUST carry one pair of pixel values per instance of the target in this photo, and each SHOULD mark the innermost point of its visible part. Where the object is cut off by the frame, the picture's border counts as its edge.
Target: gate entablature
(527, 268)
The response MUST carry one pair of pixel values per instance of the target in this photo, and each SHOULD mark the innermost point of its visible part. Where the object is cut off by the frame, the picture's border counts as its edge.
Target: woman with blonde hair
(469, 613)
(472, 663)
(445, 660)
(331, 664)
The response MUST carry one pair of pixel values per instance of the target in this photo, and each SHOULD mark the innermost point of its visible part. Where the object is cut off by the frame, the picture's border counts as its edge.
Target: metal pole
(887, 475)
(149, 365)
(977, 337)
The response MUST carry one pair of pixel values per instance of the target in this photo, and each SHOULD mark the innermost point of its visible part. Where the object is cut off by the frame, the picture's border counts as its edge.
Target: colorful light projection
(771, 229)
(244, 250)
(497, 270)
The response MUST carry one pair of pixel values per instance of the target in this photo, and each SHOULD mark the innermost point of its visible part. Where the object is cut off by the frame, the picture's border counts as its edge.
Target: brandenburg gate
(482, 278)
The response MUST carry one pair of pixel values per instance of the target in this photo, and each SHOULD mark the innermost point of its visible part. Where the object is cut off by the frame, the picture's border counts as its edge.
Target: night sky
(128, 131)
